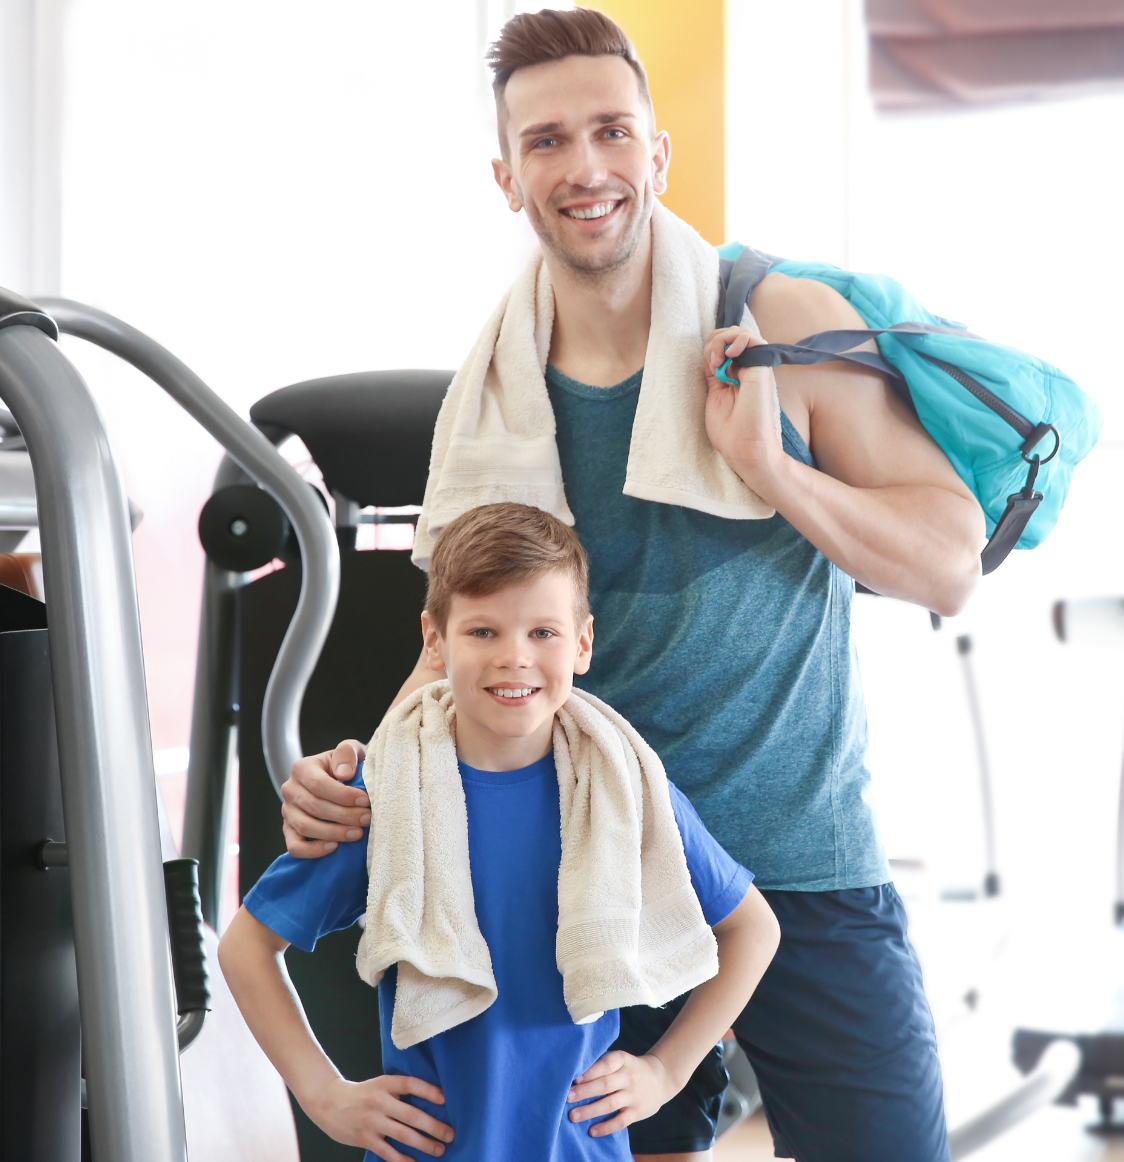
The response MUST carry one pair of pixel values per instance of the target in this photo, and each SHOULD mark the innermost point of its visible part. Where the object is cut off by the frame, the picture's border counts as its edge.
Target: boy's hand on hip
(634, 1088)
(741, 422)
(366, 1113)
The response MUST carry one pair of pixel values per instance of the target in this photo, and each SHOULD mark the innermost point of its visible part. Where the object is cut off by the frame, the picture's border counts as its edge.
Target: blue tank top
(728, 646)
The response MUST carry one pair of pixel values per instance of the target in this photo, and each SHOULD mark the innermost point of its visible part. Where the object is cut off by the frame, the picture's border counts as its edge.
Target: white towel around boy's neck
(495, 436)
(630, 928)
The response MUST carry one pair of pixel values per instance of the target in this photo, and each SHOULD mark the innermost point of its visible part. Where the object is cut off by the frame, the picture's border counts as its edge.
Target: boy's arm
(361, 1113)
(635, 1087)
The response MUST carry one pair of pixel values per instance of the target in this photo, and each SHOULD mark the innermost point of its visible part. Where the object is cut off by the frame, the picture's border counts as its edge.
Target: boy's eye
(481, 633)
(542, 634)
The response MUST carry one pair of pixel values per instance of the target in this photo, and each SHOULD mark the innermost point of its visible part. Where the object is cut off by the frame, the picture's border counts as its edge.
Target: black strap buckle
(1020, 508)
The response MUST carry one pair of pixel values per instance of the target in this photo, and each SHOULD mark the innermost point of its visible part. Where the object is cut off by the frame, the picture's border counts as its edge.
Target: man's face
(583, 159)
(511, 657)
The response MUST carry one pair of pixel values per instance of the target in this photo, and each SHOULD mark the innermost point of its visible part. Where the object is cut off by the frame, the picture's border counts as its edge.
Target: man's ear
(585, 647)
(506, 182)
(661, 159)
(431, 640)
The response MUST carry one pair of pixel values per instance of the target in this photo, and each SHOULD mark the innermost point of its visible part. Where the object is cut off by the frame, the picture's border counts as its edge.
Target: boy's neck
(487, 751)
(601, 321)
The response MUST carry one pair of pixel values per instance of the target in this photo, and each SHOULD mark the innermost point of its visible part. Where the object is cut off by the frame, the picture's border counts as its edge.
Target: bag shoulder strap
(751, 266)
(739, 278)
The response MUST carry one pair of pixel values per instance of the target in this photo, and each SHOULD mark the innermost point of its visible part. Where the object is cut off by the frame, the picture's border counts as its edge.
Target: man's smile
(596, 210)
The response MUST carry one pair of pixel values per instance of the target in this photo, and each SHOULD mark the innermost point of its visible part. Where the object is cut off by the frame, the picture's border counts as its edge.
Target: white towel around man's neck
(495, 436)
(630, 928)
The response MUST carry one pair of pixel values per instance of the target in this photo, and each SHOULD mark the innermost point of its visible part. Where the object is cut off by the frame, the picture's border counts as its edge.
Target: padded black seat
(369, 433)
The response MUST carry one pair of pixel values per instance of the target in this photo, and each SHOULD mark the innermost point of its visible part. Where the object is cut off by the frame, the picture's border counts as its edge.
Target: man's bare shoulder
(790, 309)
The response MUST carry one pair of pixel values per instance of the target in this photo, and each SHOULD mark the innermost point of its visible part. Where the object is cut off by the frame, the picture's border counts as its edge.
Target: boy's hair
(536, 38)
(497, 545)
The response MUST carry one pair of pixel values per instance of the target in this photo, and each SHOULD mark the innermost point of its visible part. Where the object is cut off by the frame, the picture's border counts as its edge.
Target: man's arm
(319, 812)
(361, 1113)
(635, 1087)
(884, 503)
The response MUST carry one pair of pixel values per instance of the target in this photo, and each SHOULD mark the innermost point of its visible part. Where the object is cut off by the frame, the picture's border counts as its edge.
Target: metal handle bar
(105, 754)
(1058, 1067)
(280, 724)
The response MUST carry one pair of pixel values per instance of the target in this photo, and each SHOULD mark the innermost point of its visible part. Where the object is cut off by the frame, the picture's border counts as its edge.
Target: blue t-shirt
(727, 644)
(505, 1073)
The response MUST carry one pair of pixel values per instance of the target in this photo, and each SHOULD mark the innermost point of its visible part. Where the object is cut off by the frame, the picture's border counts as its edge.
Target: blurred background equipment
(946, 55)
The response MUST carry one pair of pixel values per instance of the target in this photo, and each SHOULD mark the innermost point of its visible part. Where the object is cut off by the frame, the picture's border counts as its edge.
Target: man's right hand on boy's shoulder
(366, 1113)
(319, 811)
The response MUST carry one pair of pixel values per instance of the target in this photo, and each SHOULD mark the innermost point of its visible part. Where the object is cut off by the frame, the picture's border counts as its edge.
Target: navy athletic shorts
(839, 1034)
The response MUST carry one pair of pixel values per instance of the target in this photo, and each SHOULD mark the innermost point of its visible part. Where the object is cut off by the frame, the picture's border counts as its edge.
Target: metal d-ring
(1057, 445)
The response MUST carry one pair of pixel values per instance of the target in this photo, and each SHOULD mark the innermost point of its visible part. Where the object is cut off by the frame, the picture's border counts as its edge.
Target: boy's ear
(431, 643)
(585, 647)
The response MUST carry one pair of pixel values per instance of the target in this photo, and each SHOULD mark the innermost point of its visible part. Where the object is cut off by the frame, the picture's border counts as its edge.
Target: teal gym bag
(1009, 423)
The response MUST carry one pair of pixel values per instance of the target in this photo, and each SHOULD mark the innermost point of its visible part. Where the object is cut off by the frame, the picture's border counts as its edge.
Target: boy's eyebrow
(555, 126)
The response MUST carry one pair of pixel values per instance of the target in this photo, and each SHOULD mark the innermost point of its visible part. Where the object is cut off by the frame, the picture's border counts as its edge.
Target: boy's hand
(741, 422)
(320, 813)
(366, 1113)
(635, 1087)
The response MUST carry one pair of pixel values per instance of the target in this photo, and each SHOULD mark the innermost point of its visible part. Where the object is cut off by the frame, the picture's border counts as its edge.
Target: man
(744, 678)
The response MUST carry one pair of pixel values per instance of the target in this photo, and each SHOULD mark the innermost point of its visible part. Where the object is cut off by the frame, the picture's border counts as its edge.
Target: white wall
(275, 191)
(1007, 220)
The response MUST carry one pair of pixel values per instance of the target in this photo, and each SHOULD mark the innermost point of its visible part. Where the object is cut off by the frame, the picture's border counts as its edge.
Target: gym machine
(87, 950)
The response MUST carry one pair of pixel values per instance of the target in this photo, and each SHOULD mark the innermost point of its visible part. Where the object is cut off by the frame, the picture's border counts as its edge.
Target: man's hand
(366, 1113)
(741, 422)
(320, 813)
(635, 1087)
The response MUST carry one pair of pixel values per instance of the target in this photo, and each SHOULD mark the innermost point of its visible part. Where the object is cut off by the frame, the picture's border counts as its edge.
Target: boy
(508, 621)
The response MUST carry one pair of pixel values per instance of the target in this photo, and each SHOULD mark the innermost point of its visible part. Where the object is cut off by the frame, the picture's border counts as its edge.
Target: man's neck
(601, 322)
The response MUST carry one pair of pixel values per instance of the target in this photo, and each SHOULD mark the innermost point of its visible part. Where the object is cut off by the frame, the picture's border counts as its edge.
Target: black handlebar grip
(185, 927)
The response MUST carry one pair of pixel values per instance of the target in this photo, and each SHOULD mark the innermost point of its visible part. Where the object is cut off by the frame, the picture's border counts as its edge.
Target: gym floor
(1053, 1135)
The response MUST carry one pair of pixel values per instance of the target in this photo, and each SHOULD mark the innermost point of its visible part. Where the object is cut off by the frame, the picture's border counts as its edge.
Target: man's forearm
(420, 675)
(920, 543)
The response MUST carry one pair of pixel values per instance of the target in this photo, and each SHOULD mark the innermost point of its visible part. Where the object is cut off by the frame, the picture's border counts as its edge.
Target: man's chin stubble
(587, 265)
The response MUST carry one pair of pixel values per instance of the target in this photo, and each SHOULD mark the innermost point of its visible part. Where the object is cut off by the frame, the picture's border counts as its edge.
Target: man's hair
(536, 38)
(497, 545)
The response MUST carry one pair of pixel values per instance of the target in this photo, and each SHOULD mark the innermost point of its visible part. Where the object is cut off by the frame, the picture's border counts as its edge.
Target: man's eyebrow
(545, 127)
(555, 126)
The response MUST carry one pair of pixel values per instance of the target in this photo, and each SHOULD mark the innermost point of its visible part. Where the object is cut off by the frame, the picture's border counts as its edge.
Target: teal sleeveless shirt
(727, 644)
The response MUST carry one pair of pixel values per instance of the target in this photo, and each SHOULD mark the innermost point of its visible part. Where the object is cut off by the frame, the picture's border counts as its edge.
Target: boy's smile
(510, 657)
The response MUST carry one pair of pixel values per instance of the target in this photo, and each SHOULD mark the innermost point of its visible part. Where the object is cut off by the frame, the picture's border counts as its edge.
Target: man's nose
(587, 168)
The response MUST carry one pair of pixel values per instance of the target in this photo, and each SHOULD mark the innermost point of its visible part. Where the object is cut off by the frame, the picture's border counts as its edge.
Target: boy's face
(510, 657)
(583, 159)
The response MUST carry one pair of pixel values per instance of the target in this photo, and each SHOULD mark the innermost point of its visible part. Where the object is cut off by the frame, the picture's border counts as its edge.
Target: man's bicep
(865, 435)
(860, 431)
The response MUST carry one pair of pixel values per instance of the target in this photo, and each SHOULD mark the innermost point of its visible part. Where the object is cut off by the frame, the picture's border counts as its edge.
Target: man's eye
(615, 133)
(545, 141)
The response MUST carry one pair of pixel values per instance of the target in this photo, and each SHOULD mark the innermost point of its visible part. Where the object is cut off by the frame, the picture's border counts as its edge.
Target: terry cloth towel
(494, 439)
(630, 927)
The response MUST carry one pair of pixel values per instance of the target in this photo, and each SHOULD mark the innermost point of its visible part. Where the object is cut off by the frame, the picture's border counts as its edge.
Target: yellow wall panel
(682, 45)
